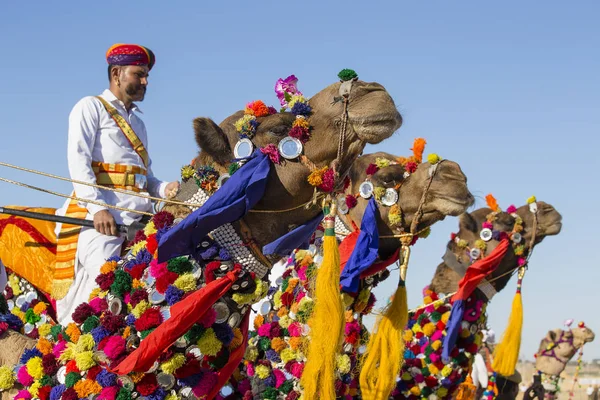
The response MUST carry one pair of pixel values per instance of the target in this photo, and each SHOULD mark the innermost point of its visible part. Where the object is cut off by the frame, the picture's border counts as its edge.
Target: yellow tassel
(506, 353)
(466, 390)
(326, 324)
(385, 350)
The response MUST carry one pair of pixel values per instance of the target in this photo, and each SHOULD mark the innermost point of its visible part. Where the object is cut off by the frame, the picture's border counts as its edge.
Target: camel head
(371, 116)
(446, 195)
(516, 223)
(558, 347)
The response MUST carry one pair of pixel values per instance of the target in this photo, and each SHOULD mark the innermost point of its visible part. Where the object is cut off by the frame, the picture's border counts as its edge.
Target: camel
(136, 293)
(427, 325)
(556, 349)
(275, 358)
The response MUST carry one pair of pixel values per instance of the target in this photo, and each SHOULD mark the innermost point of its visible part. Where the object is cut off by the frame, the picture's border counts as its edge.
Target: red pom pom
(147, 385)
(372, 169)
(93, 372)
(151, 318)
(410, 167)
(287, 299)
(44, 392)
(191, 367)
(71, 366)
(328, 181)
(137, 271)
(351, 201)
(209, 272)
(162, 219)
(151, 244)
(163, 281)
(105, 280)
(431, 381)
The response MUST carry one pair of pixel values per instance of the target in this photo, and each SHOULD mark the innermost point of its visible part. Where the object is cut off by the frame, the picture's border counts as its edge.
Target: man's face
(134, 79)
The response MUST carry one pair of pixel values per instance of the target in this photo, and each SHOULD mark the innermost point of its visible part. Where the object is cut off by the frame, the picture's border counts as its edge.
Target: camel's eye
(279, 131)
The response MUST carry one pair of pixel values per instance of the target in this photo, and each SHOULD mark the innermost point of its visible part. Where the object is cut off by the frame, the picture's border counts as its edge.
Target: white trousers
(93, 249)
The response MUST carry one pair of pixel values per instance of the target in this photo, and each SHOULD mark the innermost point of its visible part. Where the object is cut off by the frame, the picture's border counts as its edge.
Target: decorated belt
(123, 176)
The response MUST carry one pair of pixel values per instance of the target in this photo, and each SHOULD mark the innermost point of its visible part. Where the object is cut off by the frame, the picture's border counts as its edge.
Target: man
(107, 146)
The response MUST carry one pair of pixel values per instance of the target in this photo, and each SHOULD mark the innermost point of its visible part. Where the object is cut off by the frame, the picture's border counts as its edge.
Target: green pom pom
(179, 265)
(194, 333)
(3, 304)
(233, 167)
(145, 333)
(124, 394)
(264, 344)
(46, 380)
(286, 387)
(270, 393)
(71, 379)
(90, 323)
(32, 317)
(121, 284)
(54, 331)
(347, 74)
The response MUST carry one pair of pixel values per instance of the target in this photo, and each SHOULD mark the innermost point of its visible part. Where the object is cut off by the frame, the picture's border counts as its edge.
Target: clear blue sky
(510, 90)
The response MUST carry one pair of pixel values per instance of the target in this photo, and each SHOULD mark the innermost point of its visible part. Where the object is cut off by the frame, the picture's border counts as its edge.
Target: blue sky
(509, 90)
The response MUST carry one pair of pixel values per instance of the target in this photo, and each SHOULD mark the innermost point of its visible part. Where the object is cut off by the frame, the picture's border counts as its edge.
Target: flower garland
(24, 309)
(133, 297)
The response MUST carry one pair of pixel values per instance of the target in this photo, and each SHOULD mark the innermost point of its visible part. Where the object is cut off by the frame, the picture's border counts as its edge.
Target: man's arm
(83, 125)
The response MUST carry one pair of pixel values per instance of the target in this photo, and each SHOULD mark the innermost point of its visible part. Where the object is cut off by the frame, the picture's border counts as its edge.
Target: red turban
(130, 54)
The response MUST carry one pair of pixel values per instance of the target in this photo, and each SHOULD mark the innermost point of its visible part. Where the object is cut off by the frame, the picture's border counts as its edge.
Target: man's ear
(212, 140)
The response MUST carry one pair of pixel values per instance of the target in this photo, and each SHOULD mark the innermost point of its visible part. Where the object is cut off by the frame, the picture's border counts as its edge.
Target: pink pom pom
(419, 378)
(109, 393)
(209, 318)
(511, 209)
(488, 225)
(244, 386)
(265, 330)
(297, 369)
(250, 370)
(23, 394)
(279, 377)
(157, 270)
(98, 304)
(295, 329)
(23, 376)
(114, 347)
(58, 348)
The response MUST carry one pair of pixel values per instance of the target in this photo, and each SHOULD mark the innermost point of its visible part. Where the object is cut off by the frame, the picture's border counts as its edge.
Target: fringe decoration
(506, 353)
(326, 323)
(385, 350)
(418, 149)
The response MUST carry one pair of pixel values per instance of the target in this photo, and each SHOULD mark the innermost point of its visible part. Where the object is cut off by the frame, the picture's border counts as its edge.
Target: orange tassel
(418, 149)
(492, 203)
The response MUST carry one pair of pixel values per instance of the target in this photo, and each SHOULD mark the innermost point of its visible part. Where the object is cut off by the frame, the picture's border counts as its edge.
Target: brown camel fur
(446, 279)
(558, 347)
(448, 195)
(372, 117)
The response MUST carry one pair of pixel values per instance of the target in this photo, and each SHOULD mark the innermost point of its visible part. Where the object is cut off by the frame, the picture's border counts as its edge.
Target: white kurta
(95, 136)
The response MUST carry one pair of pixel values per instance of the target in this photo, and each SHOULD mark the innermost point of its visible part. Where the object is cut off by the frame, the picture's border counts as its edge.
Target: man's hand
(105, 223)
(171, 189)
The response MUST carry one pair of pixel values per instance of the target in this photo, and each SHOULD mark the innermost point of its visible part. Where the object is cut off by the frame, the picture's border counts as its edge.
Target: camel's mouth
(374, 129)
(452, 206)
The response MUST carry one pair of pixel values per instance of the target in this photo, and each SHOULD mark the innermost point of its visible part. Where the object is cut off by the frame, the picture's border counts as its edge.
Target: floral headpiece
(389, 196)
(488, 232)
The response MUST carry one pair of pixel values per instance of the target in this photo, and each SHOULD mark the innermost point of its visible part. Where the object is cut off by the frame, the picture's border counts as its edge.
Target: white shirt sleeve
(83, 125)
(156, 187)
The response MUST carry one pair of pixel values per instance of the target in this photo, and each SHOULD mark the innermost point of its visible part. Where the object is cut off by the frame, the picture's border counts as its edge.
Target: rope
(144, 196)
(308, 204)
(75, 198)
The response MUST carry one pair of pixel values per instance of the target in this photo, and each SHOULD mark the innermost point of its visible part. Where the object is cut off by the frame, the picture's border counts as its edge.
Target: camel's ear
(212, 140)
(467, 222)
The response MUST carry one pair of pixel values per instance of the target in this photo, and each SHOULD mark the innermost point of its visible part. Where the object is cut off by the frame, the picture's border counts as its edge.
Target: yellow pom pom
(7, 378)
(139, 309)
(44, 330)
(347, 300)
(34, 389)
(68, 353)
(433, 159)
(174, 363)
(288, 355)
(343, 363)
(480, 244)
(209, 343)
(382, 162)
(462, 244)
(185, 282)
(237, 340)
(34, 367)
(85, 343)
(251, 353)
(445, 317)
(187, 171)
(262, 371)
(415, 391)
(20, 314)
(433, 369)
(85, 360)
(429, 329)
(44, 345)
(407, 376)
(149, 229)
(295, 99)
(13, 282)
(378, 192)
(446, 371)
(532, 199)
(316, 177)
(442, 392)
(136, 248)
(285, 321)
(277, 300)
(436, 345)
(407, 335)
